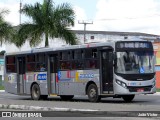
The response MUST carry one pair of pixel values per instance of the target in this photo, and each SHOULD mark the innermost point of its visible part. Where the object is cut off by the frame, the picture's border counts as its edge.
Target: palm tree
(48, 21)
(6, 29)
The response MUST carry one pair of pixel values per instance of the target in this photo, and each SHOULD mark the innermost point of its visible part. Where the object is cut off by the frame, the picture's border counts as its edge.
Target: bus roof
(67, 47)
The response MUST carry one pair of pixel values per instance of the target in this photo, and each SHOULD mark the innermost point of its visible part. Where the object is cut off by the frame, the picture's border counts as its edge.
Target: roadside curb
(157, 93)
(2, 90)
(23, 107)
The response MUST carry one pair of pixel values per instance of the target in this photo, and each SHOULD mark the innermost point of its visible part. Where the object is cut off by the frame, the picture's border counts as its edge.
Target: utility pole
(85, 23)
(20, 7)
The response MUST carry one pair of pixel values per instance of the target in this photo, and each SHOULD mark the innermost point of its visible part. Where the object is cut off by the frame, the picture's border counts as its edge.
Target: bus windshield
(138, 62)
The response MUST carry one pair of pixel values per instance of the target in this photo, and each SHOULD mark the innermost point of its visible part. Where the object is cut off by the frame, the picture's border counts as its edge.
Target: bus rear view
(134, 69)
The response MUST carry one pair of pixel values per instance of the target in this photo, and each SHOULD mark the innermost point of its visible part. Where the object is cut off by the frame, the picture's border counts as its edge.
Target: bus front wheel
(128, 98)
(36, 94)
(92, 93)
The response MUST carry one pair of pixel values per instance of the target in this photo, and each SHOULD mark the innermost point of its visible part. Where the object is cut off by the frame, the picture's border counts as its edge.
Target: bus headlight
(121, 83)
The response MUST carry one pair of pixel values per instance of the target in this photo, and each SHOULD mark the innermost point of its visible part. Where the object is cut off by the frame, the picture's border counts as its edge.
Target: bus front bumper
(136, 90)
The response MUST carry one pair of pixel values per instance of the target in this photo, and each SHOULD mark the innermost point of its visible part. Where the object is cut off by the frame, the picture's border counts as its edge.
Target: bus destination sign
(133, 45)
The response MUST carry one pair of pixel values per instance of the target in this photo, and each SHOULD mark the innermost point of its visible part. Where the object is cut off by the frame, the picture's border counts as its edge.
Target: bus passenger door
(21, 83)
(107, 71)
(52, 70)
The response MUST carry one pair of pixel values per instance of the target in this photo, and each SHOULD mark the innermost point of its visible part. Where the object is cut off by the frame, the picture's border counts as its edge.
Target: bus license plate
(140, 90)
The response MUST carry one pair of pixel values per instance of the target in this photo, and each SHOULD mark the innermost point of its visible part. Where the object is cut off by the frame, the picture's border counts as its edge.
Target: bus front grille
(139, 88)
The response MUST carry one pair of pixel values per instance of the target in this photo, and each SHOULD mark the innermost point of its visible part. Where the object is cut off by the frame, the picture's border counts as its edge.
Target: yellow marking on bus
(53, 95)
(77, 75)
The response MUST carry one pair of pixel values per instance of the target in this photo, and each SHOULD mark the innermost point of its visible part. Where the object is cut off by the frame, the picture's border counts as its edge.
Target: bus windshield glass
(139, 62)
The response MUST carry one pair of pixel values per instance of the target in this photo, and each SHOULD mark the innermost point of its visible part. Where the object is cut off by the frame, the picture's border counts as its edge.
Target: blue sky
(107, 15)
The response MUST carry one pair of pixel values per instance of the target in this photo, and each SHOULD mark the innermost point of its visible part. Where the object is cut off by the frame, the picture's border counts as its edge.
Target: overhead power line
(128, 18)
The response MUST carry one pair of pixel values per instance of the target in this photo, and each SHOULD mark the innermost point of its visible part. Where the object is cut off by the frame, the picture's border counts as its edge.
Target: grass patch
(1, 87)
(158, 90)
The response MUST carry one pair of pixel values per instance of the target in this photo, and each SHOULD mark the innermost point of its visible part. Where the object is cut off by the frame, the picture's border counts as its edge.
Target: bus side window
(40, 67)
(10, 64)
(31, 64)
(64, 60)
(88, 53)
(92, 64)
(30, 67)
(77, 62)
(40, 63)
(91, 61)
(63, 65)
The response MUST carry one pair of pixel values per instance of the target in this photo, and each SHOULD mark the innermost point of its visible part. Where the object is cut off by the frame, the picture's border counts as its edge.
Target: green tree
(2, 52)
(48, 21)
(6, 29)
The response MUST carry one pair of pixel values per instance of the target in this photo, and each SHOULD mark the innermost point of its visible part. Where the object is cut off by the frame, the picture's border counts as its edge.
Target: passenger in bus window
(68, 65)
(126, 57)
(92, 64)
(79, 64)
(63, 65)
(133, 60)
(42, 68)
(127, 62)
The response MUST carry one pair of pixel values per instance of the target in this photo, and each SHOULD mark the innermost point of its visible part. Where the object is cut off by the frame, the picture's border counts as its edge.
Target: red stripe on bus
(56, 78)
(24, 77)
(68, 74)
(34, 77)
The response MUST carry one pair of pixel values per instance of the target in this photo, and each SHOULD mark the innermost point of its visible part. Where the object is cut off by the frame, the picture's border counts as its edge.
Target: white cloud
(13, 16)
(80, 16)
(112, 15)
(13, 6)
(128, 15)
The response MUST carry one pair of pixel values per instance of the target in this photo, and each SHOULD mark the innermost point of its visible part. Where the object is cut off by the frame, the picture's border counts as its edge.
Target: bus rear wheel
(66, 97)
(128, 98)
(92, 93)
(35, 92)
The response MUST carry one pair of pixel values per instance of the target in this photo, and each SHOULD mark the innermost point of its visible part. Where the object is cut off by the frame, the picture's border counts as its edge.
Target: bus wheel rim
(36, 92)
(92, 93)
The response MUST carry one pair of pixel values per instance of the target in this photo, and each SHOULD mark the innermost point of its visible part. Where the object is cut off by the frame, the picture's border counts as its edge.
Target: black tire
(128, 98)
(35, 92)
(66, 97)
(92, 93)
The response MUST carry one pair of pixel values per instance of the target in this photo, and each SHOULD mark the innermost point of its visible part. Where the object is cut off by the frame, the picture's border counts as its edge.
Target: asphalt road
(140, 103)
